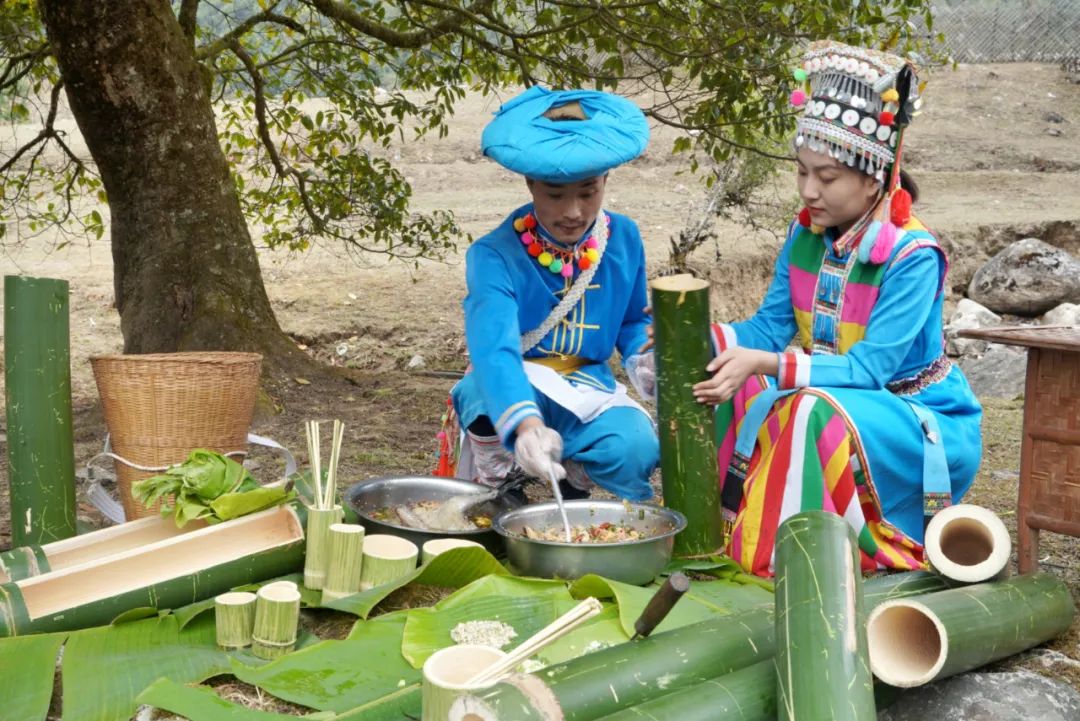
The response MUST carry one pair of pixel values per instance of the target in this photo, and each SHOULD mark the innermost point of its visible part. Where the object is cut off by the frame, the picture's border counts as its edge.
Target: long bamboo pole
(822, 670)
(687, 428)
(611, 679)
(37, 374)
(921, 639)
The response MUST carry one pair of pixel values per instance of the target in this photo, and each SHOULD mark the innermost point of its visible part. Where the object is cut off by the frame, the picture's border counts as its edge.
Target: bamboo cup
(386, 559)
(277, 614)
(446, 676)
(441, 545)
(234, 617)
(345, 558)
(319, 521)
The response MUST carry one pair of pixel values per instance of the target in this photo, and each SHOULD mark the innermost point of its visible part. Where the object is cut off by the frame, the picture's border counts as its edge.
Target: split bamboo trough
(176, 569)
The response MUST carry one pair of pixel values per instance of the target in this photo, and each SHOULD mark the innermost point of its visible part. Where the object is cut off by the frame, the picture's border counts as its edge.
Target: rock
(998, 373)
(1013, 696)
(1028, 277)
(1052, 117)
(1064, 314)
(968, 315)
(416, 362)
(1054, 132)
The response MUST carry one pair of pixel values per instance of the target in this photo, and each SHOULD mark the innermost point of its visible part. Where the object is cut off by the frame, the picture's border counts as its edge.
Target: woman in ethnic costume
(863, 414)
(553, 292)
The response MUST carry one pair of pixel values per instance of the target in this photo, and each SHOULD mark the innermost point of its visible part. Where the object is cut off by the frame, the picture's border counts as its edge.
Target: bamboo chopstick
(335, 456)
(549, 634)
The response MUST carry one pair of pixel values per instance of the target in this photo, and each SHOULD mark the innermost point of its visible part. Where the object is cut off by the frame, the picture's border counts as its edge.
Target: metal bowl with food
(378, 502)
(620, 540)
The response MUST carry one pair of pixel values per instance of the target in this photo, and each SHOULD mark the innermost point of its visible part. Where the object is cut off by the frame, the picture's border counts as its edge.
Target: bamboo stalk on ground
(319, 521)
(629, 674)
(277, 615)
(234, 618)
(386, 558)
(37, 376)
(345, 559)
(968, 543)
(748, 694)
(821, 658)
(921, 639)
(687, 428)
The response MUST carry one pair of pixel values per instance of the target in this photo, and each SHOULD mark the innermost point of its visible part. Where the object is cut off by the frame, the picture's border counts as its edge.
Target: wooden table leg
(1027, 538)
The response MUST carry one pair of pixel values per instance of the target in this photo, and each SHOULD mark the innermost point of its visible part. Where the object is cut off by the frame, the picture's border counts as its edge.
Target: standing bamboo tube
(277, 614)
(386, 558)
(687, 428)
(821, 659)
(346, 546)
(319, 521)
(629, 674)
(435, 546)
(446, 676)
(234, 617)
(968, 543)
(925, 638)
(37, 376)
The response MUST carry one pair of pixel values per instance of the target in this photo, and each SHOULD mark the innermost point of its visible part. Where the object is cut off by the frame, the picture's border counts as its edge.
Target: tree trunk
(186, 273)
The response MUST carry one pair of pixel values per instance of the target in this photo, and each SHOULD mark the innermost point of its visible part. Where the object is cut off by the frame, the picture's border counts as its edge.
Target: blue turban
(522, 139)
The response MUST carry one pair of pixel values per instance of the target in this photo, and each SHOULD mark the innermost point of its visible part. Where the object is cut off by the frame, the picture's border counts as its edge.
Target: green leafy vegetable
(209, 486)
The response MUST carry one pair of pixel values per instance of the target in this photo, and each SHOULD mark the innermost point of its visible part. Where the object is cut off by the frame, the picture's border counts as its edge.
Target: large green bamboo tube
(37, 375)
(16, 618)
(687, 428)
(748, 694)
(23, 562)
(622, 676)
(921, 639)
(822, 671)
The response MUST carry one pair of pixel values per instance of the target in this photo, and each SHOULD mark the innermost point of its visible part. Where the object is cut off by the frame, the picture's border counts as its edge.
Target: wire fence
(996, 31)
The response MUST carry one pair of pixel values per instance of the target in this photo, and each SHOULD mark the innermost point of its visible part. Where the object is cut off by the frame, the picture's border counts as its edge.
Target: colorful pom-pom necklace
(553, 257)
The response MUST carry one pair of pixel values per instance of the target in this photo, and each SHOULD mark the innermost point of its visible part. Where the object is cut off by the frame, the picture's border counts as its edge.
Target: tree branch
(225, 42)
(264, 134)
(395, 38)
(44, 134)
(189, 10)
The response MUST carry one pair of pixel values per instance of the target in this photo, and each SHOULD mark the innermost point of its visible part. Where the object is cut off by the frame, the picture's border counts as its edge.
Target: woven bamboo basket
(161, 406)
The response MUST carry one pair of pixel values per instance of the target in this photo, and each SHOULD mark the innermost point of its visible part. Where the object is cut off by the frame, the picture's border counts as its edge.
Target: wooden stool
(1049, 495)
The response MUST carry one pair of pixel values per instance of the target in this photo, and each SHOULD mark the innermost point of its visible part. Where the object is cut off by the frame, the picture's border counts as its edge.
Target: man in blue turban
(553, 291)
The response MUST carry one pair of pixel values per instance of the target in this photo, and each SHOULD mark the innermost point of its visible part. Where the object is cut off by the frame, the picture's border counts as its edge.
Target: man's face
(566, 211)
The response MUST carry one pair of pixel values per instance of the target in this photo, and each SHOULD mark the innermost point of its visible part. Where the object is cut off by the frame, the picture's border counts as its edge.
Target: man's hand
(732, 368)
(641, 370)
(538, 450)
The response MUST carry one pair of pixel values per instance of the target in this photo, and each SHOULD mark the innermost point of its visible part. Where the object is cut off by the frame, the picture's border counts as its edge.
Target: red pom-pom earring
(900, 208)
(804, 218)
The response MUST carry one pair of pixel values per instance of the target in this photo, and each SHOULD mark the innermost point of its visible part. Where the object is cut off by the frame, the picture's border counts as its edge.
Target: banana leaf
(453, 569)
(704, 600)
(342, 675)
(105, 668)
(203, 704)
(526, 604)
(602, 631)
(27, 664)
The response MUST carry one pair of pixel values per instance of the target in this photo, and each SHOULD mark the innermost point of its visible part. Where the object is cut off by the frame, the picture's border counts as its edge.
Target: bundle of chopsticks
(555, 630)
(325, 494)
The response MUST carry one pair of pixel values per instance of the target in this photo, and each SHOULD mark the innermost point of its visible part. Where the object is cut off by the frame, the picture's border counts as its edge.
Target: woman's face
(835, 194)
(567, 211)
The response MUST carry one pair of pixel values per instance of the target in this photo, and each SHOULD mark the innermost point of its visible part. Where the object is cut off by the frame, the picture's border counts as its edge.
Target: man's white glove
(539, 451)
(641, 370)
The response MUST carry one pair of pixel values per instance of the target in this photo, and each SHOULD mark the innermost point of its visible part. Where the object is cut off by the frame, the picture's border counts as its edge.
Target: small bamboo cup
(234, 617)
(386, 558)
(446, 673)
(319, 521)
(344, 561)
(277, 614)
(441, 545)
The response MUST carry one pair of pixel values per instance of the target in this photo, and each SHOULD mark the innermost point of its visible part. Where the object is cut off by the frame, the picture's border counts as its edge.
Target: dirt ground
(996, 152)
